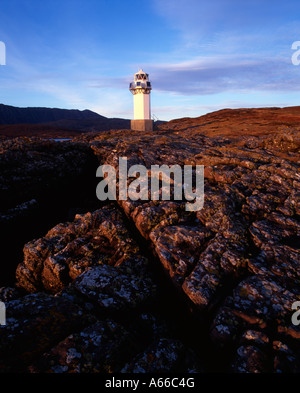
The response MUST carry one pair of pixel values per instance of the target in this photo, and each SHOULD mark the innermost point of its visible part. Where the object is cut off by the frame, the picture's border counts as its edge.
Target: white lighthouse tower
(141, 88)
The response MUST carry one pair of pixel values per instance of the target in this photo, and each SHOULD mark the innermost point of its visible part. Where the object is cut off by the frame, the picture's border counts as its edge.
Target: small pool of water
(61, 139)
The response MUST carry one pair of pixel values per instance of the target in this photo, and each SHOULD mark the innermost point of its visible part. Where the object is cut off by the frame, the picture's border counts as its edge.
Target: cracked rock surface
(166, 288)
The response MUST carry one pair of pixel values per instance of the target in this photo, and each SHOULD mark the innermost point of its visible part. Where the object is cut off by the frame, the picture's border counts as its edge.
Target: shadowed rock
(234, 264)
(34, 323)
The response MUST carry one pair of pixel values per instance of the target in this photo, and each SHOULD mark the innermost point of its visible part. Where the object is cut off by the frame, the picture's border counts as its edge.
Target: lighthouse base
(142, 125)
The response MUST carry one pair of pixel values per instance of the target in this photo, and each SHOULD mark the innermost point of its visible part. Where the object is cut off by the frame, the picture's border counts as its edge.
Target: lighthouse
(140, 87)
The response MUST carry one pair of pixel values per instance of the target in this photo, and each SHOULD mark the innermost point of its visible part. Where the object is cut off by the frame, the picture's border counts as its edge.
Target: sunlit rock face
(210, 290)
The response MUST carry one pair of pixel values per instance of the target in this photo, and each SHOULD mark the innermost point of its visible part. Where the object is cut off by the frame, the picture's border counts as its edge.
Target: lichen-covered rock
(286, 360)
(258, 303)
(250, 359)
(100, 347)
(34, 165)
(116, 288)
(164, 355)
(243, 240)
(69, 249)
(178, 248)
(220, 260)
(11, 293)
(34, 323)
(234, 263)
(40, 180)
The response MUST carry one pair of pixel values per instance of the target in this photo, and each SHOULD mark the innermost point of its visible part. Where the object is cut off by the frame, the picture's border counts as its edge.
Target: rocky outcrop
(96, 254)
(237, 259)
(251, 124)
(95, 266)
(32, 167)
(169, 289)
(34, 323)
(40, 182)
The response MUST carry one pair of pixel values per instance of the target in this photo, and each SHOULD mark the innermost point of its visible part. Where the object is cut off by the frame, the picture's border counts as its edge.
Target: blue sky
(201, 55)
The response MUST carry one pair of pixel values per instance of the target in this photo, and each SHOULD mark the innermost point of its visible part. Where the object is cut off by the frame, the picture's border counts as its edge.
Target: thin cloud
(225, 73)
(201, 17)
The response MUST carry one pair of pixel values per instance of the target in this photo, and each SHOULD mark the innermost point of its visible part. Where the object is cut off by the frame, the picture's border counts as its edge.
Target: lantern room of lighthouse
(140, 87)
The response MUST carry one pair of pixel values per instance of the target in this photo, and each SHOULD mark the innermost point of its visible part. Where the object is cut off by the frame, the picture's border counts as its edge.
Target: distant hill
(34, 115)
(91, 124)
(53, 122)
